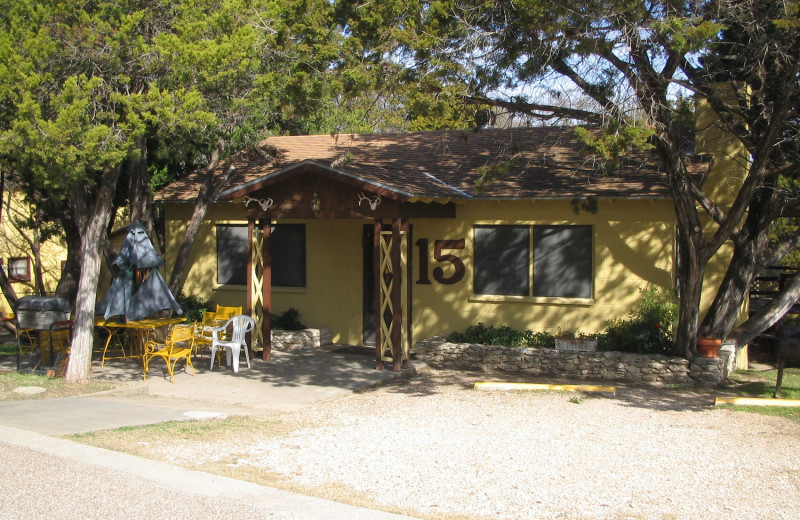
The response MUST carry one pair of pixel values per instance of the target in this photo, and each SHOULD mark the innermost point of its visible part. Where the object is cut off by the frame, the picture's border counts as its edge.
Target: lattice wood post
(391, 338)
(377, 242)
(254, 337)
(255, 298)
(406, 261)
(396, 296)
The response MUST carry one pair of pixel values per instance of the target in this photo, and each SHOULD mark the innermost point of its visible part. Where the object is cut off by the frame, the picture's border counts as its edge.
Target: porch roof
(533, 163)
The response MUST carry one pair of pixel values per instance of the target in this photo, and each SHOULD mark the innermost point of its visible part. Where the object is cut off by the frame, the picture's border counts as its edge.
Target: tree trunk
(207, 194)
(36, 252)
(2, 191)
(727, 305)
(141, 196)
(690, 256)
(11, 298)
(70, 275)
(93, 226)
(690, 287)
(5, 283)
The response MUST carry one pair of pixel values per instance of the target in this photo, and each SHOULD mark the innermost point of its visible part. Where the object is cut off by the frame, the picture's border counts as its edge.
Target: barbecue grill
(41, 313)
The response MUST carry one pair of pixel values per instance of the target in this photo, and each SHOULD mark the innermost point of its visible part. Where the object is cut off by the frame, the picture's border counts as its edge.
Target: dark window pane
(562, 261)
(232, 255)
(288, 243)
(289, 255)
(502, 260)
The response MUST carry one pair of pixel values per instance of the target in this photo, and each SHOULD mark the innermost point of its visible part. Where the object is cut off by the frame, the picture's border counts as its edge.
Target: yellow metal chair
(225, 313)
(23, 333)
(178, 345)
(202, 334)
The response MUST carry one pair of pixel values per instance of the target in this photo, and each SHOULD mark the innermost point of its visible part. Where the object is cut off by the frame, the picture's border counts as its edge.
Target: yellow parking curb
(490, 385)
(755, 401)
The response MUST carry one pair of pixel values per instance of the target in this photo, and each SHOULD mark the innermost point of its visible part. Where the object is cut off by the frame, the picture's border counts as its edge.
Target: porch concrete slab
(289, 382)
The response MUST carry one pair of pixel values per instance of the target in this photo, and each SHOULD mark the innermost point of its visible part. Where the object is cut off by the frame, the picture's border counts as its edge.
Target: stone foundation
(306, 339)
(613, 366)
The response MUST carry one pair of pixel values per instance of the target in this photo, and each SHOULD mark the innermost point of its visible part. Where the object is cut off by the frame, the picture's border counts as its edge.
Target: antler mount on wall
(373, 202)
(264, 203)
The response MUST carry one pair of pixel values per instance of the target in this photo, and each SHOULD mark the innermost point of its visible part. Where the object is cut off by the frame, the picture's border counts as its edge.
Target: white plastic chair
(242, 324)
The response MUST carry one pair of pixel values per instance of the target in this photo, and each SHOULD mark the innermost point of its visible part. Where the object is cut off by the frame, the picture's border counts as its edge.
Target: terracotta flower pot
(708, 347)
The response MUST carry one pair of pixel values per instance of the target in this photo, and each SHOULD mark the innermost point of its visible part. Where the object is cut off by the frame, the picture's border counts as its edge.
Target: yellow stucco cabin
(344, 228)
(16, 257)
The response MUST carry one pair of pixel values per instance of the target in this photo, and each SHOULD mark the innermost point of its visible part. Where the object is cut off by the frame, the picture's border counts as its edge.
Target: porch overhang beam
(312, 167)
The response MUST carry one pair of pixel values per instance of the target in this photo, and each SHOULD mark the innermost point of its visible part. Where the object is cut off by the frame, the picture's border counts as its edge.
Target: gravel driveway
(436, 446)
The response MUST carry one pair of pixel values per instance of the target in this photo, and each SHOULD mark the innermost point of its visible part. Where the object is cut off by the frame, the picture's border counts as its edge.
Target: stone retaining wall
(306, 339)
(614, 366)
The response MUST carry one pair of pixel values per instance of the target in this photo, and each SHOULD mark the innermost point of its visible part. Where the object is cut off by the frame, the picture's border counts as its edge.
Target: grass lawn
(751, 383)
(8, 349)
(53, 387)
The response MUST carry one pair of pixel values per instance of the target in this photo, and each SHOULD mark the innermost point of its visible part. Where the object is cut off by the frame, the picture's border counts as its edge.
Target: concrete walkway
(288, 382)
(30, 455)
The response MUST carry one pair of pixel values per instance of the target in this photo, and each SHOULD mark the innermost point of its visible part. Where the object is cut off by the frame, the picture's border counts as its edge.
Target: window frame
(224, 245)
(530, 295)
(506, 269)
(581, 261)
(26, 277)
(297, 256)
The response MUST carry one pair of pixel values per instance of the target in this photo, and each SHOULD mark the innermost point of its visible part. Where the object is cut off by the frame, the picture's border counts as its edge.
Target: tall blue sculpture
(138, 289)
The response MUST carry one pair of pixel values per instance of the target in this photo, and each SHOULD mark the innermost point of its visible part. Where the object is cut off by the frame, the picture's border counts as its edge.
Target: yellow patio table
(135, 332)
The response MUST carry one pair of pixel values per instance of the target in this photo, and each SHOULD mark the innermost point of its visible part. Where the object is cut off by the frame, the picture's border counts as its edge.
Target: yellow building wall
(333, 293)
(633, 249)
(731, 160)
(731, 165)
(14, 245)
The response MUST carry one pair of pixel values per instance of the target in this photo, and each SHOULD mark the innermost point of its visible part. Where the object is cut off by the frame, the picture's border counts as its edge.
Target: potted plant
(708, 347)
(575, 341)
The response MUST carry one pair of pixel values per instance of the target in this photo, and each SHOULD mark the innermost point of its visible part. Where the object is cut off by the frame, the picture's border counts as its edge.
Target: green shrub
(288, 320)
(648, 330)
(480, 334)
(193, 306)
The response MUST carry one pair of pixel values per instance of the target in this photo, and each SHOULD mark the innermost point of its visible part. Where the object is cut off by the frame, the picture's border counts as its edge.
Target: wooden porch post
(266, 323)
(376, 265)
(397, 300)
(409, 286)
(251, 227)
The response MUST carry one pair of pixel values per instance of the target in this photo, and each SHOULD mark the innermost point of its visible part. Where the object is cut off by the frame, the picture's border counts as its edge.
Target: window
(561, 257)
(562, 261)
(19, 269)
(288, 243)
(232, 255)
(502, 260)
(289, 255)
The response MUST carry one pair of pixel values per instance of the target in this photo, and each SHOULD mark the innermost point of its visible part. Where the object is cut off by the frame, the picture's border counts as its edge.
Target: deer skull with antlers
(373, 203)
(264, 203)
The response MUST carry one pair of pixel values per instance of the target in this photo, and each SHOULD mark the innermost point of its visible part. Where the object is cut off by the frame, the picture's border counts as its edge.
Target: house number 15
(438, 272)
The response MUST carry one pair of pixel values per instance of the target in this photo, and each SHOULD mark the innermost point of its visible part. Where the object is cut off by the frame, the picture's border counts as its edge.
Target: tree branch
(208, 192)
(537, 110)
(776, 253)
(770, 314)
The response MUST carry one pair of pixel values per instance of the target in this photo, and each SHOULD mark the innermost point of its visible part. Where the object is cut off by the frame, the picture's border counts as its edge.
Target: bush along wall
(655, 369)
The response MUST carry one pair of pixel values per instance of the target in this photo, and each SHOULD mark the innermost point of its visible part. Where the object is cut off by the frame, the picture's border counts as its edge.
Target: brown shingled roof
(543, 162)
